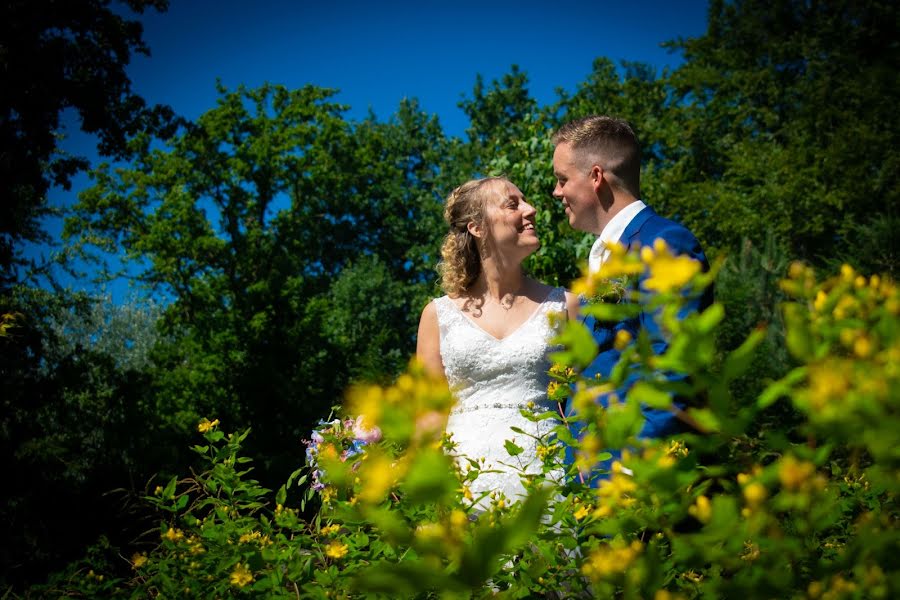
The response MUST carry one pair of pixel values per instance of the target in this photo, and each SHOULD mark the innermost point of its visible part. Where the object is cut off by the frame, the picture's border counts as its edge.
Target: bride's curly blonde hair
(460, 257)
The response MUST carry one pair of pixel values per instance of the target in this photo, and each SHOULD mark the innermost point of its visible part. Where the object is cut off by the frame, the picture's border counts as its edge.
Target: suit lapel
(631, 232)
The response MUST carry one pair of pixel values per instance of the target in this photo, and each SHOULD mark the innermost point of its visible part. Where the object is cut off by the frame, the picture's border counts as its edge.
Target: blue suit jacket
(644, 229)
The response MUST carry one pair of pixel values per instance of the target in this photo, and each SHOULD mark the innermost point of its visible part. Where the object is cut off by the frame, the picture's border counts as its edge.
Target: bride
(490, 335)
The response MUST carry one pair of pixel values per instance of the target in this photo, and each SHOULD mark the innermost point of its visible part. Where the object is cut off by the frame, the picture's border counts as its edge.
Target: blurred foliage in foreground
(809, 511)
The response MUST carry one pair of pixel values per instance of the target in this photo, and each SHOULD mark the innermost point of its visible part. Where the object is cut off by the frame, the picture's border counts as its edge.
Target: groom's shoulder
(677, 236)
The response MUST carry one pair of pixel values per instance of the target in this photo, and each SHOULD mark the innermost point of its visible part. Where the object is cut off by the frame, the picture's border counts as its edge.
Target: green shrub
(716, 513)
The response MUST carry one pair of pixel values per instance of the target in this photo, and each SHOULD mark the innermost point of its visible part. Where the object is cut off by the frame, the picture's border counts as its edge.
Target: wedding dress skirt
(493, 380)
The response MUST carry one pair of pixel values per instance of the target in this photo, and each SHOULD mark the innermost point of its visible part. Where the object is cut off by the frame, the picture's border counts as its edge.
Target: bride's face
(510, 222)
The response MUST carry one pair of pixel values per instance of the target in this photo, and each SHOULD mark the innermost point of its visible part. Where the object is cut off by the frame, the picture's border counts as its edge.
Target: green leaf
(580, 348)
(608, 311)
(710, 318)
(781, 388)
(430, 477)
(648, 394)
(512, 449)
(740, 359)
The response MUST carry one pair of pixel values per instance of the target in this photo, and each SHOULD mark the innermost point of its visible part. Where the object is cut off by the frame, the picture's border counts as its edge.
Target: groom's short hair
(608, 142)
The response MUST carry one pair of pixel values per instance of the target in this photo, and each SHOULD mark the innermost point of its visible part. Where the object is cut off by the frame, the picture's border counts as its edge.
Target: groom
(597, 164)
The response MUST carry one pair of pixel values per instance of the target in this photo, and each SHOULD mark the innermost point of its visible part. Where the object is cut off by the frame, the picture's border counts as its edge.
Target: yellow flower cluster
(206, 425)
(241, 576)
(256, 537)
(799, 475)
(586, 454)
(666, 271)
(582, 511)
(195, 545)
(678, 449)
(615, 492)
(543, 451)
(173, 534)
(336, 550)
(380, 474)
(611, 559)
(561, 371)
(557, 391)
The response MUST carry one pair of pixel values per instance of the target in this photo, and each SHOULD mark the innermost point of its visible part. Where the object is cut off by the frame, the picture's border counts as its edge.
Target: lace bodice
(493, 379)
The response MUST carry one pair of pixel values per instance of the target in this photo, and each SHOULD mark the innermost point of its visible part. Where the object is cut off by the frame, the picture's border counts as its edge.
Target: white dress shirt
(611, 234)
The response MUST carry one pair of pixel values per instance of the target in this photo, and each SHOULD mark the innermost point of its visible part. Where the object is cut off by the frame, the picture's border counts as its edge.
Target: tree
(789, 123)
(58, 56)
(248, 219)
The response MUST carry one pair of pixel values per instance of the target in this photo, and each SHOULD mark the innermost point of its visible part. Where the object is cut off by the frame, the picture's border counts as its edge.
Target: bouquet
(346, 438)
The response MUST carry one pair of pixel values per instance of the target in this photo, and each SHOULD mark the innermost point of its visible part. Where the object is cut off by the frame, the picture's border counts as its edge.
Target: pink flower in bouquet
(364, 434)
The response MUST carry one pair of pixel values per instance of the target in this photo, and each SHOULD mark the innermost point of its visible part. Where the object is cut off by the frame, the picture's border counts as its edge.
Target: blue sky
(377, 53)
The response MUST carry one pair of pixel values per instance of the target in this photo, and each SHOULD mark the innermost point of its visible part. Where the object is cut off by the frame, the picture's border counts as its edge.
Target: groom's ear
(596, 176)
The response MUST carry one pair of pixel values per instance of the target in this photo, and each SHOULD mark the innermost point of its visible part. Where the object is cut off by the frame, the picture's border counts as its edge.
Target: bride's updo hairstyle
(460, 258)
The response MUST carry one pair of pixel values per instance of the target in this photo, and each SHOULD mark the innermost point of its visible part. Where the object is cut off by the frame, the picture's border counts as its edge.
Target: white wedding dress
(493, 380)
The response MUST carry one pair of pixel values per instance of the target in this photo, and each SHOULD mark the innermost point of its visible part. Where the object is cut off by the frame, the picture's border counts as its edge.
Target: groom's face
(575, 187)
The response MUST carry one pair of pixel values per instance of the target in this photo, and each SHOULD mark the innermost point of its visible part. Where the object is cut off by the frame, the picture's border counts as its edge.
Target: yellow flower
(582, 512)
(611, 559)
(667, 271)
(327, 494)
(173, 534)
(467, 493)
(367, 401)
(241, 576)
(755, 494)
(543, 452)
(253, 536)
(847, 272)
(458, 519)
(379, 477)
(205, 425)
(623, 338)
(794, 474)
(330, 529)
(618, 266)
(796, 270)
(701, 509)
(828, 382)
(561, 370)
(336, 550)
(430, 532)
(821, 299)
(158, 490)
(138, 560)
(862, 347)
